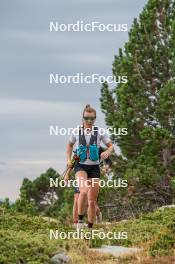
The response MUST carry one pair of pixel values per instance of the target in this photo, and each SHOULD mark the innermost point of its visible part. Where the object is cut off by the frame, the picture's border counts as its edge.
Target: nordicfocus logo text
(81, 26)
(62, 131)
(116, 183)
(80, 234)
(81, 78)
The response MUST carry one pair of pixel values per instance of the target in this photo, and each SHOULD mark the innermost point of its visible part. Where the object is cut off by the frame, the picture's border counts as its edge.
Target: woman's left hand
(104, 155)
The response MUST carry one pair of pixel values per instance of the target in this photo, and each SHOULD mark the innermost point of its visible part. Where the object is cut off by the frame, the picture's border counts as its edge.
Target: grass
(154, 232)
(25, 239)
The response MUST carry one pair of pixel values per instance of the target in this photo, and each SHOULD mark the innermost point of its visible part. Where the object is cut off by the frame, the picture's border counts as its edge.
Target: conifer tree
(146, 103)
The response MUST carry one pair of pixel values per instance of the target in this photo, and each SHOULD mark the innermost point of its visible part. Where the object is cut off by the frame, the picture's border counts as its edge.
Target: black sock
(80, 217)
(90, 225)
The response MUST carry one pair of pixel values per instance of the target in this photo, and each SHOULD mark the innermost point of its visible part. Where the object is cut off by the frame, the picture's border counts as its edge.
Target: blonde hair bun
(87, 106)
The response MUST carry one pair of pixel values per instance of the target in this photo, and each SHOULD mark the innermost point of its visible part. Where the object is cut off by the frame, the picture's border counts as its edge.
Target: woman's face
(88, 119)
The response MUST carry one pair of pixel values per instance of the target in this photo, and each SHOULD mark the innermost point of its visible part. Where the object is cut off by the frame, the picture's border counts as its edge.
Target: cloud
(23, 107)
(2, 163)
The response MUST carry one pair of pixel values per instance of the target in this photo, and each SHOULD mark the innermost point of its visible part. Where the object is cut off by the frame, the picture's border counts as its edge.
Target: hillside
(25, 239)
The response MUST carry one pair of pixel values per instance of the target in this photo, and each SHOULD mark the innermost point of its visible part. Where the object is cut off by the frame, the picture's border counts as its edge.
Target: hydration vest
(90, 150)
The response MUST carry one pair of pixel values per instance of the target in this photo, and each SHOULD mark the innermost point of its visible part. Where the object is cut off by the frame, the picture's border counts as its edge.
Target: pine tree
(146, 103)
(40, 195)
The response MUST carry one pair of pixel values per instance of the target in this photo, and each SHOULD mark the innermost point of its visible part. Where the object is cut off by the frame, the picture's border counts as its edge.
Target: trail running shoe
(81, 224)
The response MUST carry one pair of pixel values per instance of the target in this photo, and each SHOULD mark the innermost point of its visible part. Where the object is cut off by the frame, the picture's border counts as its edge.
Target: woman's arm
(69, 153)
(106, 153)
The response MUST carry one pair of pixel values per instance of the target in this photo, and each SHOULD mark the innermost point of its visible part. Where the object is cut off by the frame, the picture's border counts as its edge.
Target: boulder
(166, 206)
(60, 258)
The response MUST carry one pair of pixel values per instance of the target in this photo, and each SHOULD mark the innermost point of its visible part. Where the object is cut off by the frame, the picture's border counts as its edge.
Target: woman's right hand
(69, 164)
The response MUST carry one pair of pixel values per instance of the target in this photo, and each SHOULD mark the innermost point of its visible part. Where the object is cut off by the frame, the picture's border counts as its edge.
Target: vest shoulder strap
(93, 139)
(82, 140)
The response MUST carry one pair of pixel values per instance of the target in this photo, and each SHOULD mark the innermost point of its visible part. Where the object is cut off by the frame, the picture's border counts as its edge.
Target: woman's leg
(81, 177)
(97, 209)
(98, 214)
(92, 200)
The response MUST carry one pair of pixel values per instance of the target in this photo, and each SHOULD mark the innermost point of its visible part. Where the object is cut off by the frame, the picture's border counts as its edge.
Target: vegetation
(25, 239)
(145, 105)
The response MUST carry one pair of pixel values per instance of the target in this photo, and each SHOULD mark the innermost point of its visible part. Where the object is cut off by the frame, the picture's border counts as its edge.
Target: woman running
(87, 141)
(105, 169)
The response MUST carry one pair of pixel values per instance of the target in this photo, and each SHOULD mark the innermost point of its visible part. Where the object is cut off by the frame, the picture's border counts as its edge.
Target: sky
(29, 104)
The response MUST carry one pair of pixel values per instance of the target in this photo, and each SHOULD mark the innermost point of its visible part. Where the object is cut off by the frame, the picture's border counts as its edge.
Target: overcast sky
(28, 54)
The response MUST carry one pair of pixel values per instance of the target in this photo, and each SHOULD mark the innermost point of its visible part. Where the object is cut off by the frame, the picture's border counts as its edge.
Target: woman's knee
(91, 203)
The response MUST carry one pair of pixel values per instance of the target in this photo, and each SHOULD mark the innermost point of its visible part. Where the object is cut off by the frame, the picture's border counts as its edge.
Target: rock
(60, 258)
(117, 251)
(50, 219)
(166, 206)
